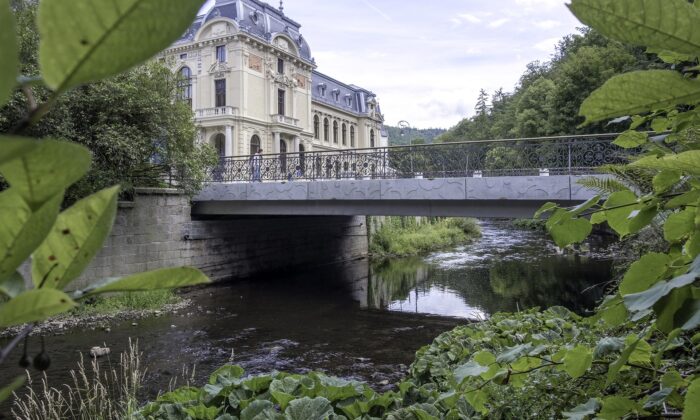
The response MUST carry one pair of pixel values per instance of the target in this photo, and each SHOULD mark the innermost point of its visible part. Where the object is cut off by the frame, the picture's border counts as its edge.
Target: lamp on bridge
(404, 126)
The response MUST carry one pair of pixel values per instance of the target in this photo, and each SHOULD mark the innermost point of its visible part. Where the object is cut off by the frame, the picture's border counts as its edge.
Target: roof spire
(281, 6)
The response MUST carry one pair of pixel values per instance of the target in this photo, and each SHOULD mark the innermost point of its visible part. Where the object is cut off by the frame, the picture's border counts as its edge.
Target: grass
(93, 394)
(401, 236)
(530, 224)
(133, 301)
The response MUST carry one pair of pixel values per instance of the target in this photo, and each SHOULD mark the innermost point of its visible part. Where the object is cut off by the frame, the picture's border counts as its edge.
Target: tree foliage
(38, 172)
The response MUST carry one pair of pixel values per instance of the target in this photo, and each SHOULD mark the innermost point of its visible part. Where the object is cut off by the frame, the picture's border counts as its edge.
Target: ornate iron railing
(533, 156)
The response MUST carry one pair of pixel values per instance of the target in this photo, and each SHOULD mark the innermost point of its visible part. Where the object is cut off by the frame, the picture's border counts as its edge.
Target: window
(185, 85)
(336, 94)
(371, 138)
(280, 66)
(317, 128)
(183, 56)
(221, 53)
(325, 129)
(254, 144)
(220, 144)
(322, 89)
(280, 101)
(335, 132)
(345, 135)
(352, 136)
(220, 92)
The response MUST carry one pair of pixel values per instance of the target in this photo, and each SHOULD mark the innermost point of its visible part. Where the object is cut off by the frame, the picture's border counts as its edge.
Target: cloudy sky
(427, 60)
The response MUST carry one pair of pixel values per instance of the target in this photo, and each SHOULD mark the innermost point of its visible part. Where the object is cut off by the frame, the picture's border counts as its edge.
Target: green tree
(533, 110)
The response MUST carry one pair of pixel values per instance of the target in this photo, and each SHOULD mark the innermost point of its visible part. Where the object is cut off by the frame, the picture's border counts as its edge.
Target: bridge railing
(564, 155)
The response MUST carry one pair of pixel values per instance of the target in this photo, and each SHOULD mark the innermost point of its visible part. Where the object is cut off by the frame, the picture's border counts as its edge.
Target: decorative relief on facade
(255, 63)
(218, 70)
(301, 80)
(282, 43)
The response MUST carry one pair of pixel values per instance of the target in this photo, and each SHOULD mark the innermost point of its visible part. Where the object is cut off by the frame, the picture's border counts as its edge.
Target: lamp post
(403, 126)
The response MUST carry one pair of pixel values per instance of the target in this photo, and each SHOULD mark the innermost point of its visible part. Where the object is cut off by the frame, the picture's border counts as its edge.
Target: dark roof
(329, 91)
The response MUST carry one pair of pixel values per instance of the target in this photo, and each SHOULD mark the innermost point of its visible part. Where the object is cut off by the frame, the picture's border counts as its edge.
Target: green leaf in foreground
(22, 229)
(5, 392)
(637, 302)
(658, 24)
(34, 305)
(164, 278)
(566, 230)
(639, 92)
(631, 139)
(691, 408)
(75, 239)
(616, 407)
(620, 205)
(307, 408)
(577, 361)
(688, 162)
(665, 180)
(644, 272)
(49, 169)
(580, 412)
(13, 147)
(83, 41)
(12, 286)
(9, 65)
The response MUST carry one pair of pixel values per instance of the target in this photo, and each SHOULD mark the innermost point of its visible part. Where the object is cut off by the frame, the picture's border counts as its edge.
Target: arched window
(185, 85)
(352, 136)
(317, 128)
(345, 135)
(254, 144)
(335, 132)
(219, 143)
(371, 138)
(283, 146)
(325, 129)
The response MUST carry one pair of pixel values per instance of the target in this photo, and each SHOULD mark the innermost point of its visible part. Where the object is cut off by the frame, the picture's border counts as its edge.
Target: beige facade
(252, 91)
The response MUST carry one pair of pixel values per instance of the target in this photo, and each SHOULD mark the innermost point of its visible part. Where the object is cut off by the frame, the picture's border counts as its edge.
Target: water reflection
(507, 270)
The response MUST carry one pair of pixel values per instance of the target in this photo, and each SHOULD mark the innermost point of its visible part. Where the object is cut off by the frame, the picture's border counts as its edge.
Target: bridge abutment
(157, 230)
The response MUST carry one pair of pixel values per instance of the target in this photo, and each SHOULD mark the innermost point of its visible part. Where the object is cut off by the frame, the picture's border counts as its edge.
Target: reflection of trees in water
(505, 286)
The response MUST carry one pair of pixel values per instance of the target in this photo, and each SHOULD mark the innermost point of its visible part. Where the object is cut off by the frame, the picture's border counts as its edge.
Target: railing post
(569, 155)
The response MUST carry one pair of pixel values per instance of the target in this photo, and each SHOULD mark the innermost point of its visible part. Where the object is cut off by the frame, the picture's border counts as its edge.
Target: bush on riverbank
(405, 236)
(529, 224)
(130, 301)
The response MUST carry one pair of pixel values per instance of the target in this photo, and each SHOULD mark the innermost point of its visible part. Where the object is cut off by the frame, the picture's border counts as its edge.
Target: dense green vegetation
(136, 133)
(405, 236)
(122, 302)
(547, 98)
(412, 135)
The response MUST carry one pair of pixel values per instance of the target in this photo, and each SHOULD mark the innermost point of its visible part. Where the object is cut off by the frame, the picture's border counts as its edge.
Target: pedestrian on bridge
(256, 163)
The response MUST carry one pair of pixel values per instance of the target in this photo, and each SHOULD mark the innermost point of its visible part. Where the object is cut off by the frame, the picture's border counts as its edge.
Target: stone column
(297, 142)
(275, 142)
(228, 147)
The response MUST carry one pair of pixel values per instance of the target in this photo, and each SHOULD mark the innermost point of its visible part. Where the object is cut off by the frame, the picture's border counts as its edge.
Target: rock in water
(98, 351)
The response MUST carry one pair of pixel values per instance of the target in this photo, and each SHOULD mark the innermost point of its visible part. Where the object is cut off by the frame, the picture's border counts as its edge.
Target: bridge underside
(507, 196)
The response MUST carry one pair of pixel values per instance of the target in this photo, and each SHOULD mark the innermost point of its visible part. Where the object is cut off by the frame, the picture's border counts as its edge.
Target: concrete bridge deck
(505, 196)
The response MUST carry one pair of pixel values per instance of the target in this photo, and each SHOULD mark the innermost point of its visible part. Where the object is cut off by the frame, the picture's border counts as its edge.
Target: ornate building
(252, 82)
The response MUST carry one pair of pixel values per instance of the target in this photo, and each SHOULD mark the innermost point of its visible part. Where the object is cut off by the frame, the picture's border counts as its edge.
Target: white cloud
(547, 24)
(547, 45)
(499, 22)
(539, 4)
(466, 17)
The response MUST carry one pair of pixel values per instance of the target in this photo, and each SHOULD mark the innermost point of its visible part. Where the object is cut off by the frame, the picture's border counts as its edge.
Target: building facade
(249, 76)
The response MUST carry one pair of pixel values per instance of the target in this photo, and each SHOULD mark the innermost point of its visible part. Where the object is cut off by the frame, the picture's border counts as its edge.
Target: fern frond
(604, 186)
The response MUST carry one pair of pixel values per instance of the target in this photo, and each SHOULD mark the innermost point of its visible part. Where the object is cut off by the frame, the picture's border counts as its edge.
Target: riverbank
(102, 312)
(410, 236)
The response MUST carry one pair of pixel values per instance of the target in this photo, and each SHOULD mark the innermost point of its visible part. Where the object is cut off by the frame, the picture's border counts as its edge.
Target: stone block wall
(156, 231)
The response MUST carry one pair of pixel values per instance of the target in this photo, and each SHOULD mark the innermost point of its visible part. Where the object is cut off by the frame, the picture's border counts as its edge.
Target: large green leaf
(34, 305)
(9, 65)
(577, 361)
(469, 369)
(631, 139)
(12, 286)
(616, 407)
(691, 408)
(22, 229)
(566, 230)
(83, 41)
(164, 278)
(260, 410)
(13, 147)
(658, 24)
(621, 204)
(639, 92)
(644, 272)
(75, 239)
(51, 167)
(308, 409)
(582, 411)
(679, 225)
(641, 301)
(688, 162)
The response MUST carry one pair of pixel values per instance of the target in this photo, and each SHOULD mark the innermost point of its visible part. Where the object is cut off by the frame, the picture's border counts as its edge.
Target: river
(357, 320)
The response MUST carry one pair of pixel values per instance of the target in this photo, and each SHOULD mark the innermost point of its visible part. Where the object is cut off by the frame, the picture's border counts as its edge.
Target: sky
(427, 60)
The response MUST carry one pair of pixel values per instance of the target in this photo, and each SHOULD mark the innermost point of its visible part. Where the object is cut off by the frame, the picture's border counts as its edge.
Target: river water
(358, 320)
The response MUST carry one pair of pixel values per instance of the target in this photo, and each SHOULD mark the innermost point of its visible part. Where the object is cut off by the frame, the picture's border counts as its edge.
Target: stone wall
(156, 230)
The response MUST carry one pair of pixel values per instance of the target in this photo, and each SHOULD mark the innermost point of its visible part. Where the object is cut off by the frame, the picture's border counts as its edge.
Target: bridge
(494, 178)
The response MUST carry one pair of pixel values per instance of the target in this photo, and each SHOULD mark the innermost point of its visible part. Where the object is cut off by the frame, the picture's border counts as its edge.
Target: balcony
(218, 112)
(283, 119)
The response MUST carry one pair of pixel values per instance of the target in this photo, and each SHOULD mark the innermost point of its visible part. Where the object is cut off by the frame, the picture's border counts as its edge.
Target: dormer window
(322, 89)
(348, 99)
(183, 56)
(255, 16)
(336, 94)
(221, 53)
